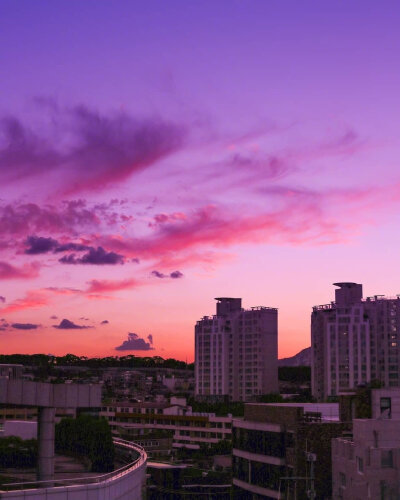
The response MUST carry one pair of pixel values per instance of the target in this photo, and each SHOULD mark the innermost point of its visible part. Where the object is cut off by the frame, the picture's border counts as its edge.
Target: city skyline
(155, 155)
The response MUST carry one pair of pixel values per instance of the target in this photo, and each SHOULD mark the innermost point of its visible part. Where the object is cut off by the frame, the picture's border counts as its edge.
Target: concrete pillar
(46, 431)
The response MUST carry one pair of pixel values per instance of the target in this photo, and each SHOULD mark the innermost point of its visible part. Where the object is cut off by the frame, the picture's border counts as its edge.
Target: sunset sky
(157, 154)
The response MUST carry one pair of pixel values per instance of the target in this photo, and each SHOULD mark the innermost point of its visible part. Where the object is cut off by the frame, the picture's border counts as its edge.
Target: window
(387, 458)
(360, 465)
(386, 407)
(342, 479)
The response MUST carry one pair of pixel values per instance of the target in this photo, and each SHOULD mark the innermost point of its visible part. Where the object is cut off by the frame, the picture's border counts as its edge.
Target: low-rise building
(11, 371)
(20, 428)
(189, 429)
(284, 449)
(17, 413)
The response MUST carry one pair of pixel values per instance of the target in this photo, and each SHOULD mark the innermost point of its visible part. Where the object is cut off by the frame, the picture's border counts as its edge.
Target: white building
(188, 429)
(354, 341)
(20, 428)
(236, 351)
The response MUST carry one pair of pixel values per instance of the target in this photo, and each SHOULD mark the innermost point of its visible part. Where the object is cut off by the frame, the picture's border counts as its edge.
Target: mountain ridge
(302, 358)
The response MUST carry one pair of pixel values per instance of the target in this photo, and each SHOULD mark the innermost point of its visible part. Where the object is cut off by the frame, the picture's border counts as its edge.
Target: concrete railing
(125, 483)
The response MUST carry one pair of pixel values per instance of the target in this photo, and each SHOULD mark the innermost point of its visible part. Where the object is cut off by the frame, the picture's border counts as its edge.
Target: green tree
(17, 452)
(87, 436)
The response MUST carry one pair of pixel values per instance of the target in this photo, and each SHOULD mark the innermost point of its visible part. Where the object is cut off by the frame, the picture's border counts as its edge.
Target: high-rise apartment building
(236, 353)
(354, 341)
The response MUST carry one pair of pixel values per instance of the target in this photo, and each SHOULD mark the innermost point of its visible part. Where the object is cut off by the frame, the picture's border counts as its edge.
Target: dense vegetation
(46, 365)
(86, 436)
(16, 452)
(295, 374)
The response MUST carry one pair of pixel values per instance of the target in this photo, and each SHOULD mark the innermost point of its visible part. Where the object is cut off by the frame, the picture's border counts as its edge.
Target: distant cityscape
(238, 423)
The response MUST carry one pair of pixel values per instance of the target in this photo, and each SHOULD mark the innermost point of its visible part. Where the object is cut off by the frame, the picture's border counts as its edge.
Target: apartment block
(236, 352)
(283, 450)
(354, 341)
(366, 464)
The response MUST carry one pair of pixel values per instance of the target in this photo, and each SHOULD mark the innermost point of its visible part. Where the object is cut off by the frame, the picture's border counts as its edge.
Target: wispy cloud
(22, 219)
(10, 272)
(100, 286)
(102, 148)
(32, 300)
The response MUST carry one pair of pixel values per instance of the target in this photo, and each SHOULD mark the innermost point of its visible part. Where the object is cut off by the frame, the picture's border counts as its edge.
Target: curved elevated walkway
(125, 483)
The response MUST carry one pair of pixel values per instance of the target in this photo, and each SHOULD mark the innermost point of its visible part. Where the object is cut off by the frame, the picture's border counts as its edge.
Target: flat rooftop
(329, 411)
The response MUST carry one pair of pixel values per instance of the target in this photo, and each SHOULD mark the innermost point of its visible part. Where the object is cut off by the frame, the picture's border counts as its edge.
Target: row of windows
(175, 423)
(259, 474)
(262, 442)
(386, 460)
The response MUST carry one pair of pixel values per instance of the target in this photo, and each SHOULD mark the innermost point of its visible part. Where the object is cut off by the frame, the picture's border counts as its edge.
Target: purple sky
(154, 155)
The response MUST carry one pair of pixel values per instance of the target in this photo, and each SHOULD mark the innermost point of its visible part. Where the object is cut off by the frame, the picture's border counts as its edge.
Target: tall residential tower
(236, 351)
(354, 341)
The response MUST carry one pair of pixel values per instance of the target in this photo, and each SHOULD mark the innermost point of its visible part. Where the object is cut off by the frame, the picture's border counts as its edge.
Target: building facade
(367, 464)
(283, 450)
(139, 422)
(354, 341)
(236, 351)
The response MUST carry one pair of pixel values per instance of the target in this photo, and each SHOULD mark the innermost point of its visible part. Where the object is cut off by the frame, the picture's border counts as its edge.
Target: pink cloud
(220, 227)
(32, 300)
(207, 259)
(26, 218)
(10, 272)
(100, 286)
(163, 218)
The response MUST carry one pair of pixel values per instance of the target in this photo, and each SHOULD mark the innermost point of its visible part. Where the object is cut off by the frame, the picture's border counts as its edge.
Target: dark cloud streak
(95, 256)
(135, 343)
(173, 275)
(24, 326)
(66, 324)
